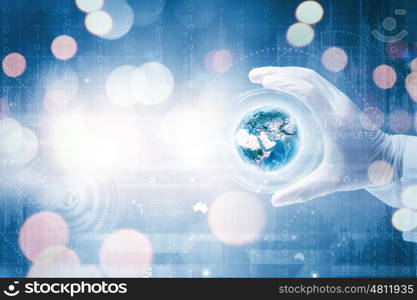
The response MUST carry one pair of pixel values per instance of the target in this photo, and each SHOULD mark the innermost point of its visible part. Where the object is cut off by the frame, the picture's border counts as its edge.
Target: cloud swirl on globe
(267, 138)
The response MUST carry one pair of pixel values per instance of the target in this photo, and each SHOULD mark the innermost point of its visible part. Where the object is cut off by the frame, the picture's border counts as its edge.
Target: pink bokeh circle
(40, 231)
(125, 253)
(64, 47)
(14, 64)
(384, 76)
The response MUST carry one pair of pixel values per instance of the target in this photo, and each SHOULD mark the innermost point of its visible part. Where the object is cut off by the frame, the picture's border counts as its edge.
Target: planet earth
(267, 138)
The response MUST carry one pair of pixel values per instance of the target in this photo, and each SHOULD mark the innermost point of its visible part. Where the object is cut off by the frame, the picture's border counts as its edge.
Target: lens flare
(125, 253)
(14, 64)
(236, 218)
(41, 231)
(309, 12)
(300, 35)
(98, 143)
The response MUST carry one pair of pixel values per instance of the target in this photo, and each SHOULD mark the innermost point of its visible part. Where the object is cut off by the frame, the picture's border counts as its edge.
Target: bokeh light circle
(40, 231)
(380, 172)
(125, 253)
(372, 118)
(14, 64)
(28, 148)
(99, 23)
(334, 59)
(55, 261)
(413, 65)
(309, 12)
(236, 218)
(218, 61)
(409, 197)
(89, 5)
(411, 85)
(11, 136)
(399, 121)
(118, 86)
(404, 219)
(300, 34)
(64, 47)
(384, 76)
(55, 100)
(159, 83)
(122, 18)
(62, 78)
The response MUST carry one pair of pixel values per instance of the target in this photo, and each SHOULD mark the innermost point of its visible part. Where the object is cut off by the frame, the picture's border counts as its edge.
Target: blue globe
(267, 138)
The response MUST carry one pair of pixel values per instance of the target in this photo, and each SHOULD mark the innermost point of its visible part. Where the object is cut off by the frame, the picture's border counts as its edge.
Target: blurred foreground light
(334, 59)
(399, 121)
(149, 84)
(55, 261)
(64, 47)
(404, 219)
(125, 253)
(14, 64)
(159, 83)
(40, 231)
(300, 35)
(187, 130)
(384, 76)
(409, 197)
(122, 18)
(11, 136)
(380, 172)
(63, 79)
(89, 5)
(55, 100)
(372, 118)
(309, 12)
(27, 150)
(411, 85)
(104, 143)
(98, 23)
(120, 83)
(4, 108)
(236, 218)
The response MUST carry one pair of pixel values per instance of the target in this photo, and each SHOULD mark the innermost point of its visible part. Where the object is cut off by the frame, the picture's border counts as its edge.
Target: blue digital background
(341, 235)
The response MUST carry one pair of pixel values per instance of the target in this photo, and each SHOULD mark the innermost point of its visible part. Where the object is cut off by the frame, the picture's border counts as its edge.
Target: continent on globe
(267, 138)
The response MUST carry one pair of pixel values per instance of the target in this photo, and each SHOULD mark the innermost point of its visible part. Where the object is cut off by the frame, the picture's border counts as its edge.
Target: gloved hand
(354, 157)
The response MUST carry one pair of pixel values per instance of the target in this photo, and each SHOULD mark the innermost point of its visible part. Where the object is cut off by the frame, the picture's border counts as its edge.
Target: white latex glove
(349, 148)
